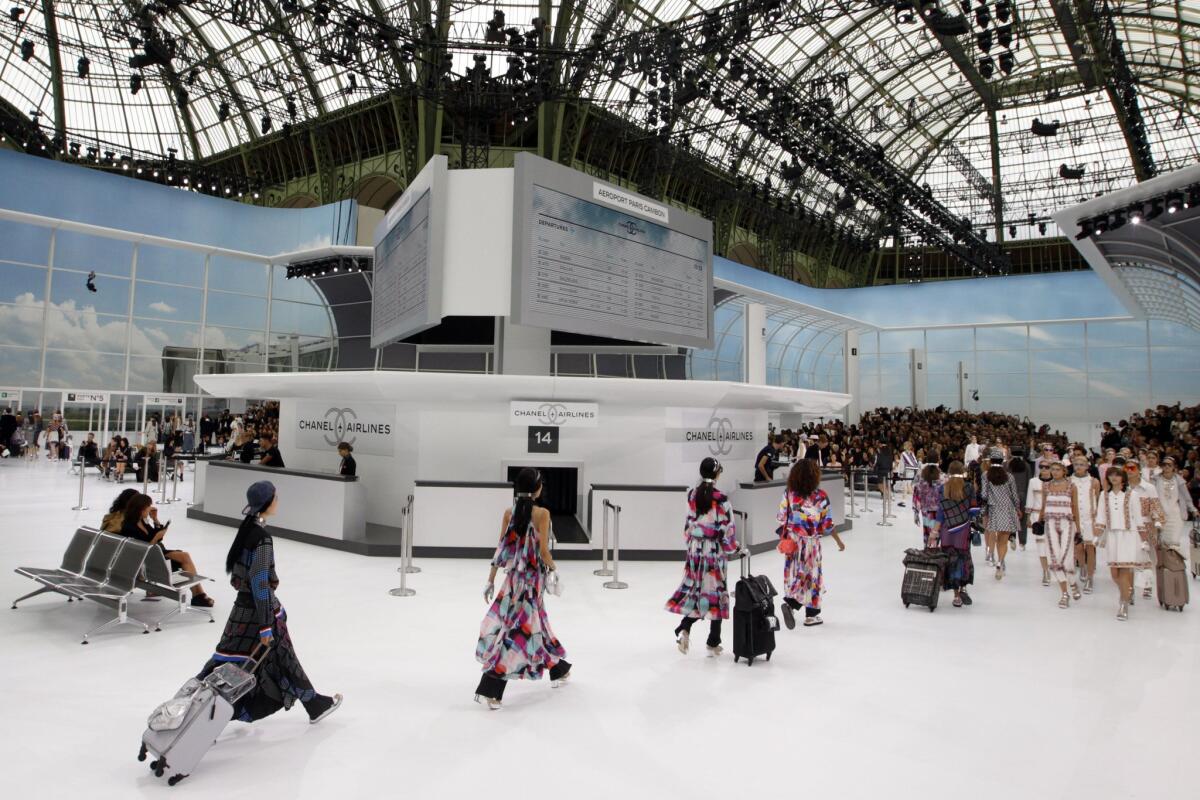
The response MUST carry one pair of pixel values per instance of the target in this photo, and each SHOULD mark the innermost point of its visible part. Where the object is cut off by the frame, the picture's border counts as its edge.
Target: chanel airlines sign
(552, 413)
(368, 427)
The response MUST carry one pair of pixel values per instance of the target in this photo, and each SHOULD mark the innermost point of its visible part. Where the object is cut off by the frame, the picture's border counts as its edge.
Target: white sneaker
(682, 642)
(492, 703)
(714, 652)
(560, 681)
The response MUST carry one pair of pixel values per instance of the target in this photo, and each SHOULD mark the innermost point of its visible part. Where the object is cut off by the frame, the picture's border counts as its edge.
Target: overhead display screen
(407, 280)
(591, 258)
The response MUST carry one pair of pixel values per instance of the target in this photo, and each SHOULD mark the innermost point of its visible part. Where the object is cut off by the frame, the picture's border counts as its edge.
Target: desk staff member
(767, 460)
(349, 467)
(271, 457)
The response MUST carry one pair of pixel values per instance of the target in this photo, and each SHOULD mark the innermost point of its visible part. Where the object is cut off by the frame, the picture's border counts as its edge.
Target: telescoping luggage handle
(256, 657)
(747, 542)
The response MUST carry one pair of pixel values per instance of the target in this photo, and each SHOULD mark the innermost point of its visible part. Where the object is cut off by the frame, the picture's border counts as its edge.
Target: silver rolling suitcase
(181, 730)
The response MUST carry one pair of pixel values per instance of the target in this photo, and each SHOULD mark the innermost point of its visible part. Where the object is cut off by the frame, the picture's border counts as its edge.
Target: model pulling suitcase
(754, 620)
(1171, 577)
(181, 730)
(924, 577)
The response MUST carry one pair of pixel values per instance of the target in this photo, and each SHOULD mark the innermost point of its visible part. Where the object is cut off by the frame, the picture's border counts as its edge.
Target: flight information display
(595, 259)
(407, 280)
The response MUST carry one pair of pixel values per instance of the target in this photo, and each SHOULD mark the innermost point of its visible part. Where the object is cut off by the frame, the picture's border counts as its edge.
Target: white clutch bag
(553, 584)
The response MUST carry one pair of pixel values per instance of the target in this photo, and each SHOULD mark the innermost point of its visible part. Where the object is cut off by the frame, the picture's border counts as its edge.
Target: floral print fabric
(804, 521)
(711, 536)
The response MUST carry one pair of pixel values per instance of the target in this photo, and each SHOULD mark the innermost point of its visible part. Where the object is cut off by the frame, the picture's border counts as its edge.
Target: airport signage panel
(726, 435)
(164, 400)
(552, 413)
(87, 397)
(369, 427)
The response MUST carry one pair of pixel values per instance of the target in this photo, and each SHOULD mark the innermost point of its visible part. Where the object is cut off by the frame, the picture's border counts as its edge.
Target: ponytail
(705, 491)
(528, 481)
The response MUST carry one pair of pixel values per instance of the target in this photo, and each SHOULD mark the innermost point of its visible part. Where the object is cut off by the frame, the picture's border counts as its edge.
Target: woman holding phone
(141, 523)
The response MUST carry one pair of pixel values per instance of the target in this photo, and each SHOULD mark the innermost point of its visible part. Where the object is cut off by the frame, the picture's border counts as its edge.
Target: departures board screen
(406, 295)
(592, 258)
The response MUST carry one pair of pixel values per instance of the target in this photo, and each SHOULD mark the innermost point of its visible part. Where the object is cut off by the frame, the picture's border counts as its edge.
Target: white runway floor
(1011, 697)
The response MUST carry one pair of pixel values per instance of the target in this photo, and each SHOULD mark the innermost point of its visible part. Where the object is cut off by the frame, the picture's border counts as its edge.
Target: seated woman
(114, 520)
(141, 523)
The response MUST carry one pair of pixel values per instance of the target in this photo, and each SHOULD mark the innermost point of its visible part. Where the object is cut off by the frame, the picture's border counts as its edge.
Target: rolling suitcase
(1171, 579)
(924, 576)
(754, 620)
(181, 730)
(1196, 548)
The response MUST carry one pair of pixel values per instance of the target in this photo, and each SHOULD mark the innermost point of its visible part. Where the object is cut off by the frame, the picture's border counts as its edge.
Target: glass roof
(894, 82)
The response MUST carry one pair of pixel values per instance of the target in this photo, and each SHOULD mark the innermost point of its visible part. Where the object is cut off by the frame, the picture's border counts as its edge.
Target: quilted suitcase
(1196, 549)
(1172, 579)
(182, 730)
(754, 620)
(924, 576)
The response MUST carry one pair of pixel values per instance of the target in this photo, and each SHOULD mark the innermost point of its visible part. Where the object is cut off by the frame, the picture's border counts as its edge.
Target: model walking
(258, 619)
(515, 638)
(1177, 507)
(954, 532)
(1060, 518)
(1152, 519)
(1119, 520)
(927, 503)
(711, 537)
(1087, 498)
(1033, 502)
(803, 518)
(1003, 511)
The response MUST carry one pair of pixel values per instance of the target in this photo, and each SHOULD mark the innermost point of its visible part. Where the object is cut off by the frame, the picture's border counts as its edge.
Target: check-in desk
(760, 503)
(456, 519)
(315, 507)
(652, 519)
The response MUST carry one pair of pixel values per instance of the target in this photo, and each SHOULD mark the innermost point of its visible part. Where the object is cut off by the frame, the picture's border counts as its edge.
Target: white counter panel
(459, 516)
(650, 520)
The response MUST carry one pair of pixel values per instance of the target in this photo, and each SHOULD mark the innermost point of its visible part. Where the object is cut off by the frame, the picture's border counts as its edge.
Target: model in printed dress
(1153, 518)
(1033, 502)
(957, 506)
(711, 538)
(1087, 498)
(1060, 518)
(258, 618)
(927, 503)
(1003, 510)
(516, 641)
(804, 517)
(1122, 534)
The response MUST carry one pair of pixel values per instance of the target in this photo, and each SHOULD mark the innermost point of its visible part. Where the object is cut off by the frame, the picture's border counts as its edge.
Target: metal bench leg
(122, 618)
(34, 593)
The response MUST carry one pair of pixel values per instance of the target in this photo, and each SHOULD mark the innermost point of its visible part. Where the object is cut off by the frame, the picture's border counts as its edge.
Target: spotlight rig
(330, 265)
(1171, 203)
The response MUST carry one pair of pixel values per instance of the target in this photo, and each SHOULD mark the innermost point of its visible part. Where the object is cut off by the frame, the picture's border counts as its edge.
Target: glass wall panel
(1176, 387)
(27, 243)
(1056, 335)
(234, 340)
(289, 317)
(1131, 385)
(939, 339)
(20, 367)
(236, 310)
(727, 371)
(1003, 361)
(1057, 408)
(71, 329)
(68, 290)
(1001, 337)
(233, 275)
(894, 362)
(298, 289)
(942, 385)
(868, 343)
(947, 361)
(1117, 359)
(1058, 384)
(163, 301)
(162, 375)
(1057, 361)
(20, 283)
(21, 324)
(901, 341)
(992, 385)
(1166, 359)
(895, 389)
(730, 347)
(170, 265)
(1172, 333)
(71, 370)
(153, 337)
(1116, 334)
(81, 251)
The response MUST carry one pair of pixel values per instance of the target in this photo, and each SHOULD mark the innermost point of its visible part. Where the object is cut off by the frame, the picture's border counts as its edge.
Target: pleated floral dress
(804, 521)
(710, 538)
(515, 638)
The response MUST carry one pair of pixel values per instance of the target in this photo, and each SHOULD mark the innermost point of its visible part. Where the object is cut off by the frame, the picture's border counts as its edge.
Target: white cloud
(162, 307)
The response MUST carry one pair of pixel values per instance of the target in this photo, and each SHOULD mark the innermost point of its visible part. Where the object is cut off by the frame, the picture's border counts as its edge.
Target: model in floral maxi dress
(804, 517)
(711, 537)
(515, 638)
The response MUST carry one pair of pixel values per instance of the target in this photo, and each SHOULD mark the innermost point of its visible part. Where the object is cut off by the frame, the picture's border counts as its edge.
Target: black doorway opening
(560, 496)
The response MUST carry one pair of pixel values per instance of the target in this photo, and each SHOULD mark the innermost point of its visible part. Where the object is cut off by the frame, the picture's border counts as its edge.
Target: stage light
(83, 67)
(1193, 197)
(26, 49)
(1116, 220)
(1012, 230)
(984, 40)
(1007, 62)
(1004, 35)
(982, 17)
(223, 111)
(1039, 128)
(928, 8)
(265, 124)
(987, 67)
(1136, 215)
(905, 14)
(1100, 225)
(1003, 11)
(15, 13)
(135, 83)
(292, 109)
(73, 147)
(1042, 228)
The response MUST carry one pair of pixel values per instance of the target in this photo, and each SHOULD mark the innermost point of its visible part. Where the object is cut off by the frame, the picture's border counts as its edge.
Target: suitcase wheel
(769, 655)
(159, 767)
(906, 605)
(142, 752)
(174, 779)
(750, 661)
(735, 659)
(932, 609)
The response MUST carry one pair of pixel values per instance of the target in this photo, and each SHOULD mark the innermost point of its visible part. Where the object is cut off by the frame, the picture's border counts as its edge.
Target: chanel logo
(339, 419)
(721, 429)
(552, 413)
(631, 227)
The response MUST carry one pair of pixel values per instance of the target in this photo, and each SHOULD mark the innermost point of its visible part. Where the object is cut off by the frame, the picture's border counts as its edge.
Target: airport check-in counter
(652, 519)
(458, 518)
(760, 503)
(314, 503)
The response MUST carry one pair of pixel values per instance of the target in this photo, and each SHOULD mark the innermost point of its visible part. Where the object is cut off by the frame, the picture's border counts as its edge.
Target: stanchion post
(885, 513)
(80, 506)
(162, 479)
(406, 539)
(866, 491)
(146, 474)
(616, 582)
(604, 571)
(175, 482)
(850, 514)
(408, 565)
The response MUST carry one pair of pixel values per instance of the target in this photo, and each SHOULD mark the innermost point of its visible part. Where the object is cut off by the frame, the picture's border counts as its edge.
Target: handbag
(786, 546)
(554, 584)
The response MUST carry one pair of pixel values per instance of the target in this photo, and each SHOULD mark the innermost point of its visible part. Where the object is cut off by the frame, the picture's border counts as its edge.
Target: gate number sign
(543, 439)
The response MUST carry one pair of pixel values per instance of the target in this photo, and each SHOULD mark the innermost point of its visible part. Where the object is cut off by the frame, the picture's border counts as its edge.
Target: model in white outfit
(971, 452)
(1033, 502)
(1060, 518)
(1152, 520)
(1119, 521)
(1087, 497)
(1177, 507)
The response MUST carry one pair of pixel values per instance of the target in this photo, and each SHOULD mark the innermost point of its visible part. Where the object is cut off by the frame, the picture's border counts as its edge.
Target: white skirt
(1123, 548)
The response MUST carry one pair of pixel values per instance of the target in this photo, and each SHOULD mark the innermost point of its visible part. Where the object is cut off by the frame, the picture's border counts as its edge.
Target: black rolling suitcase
(754, 620)
(924, 577)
